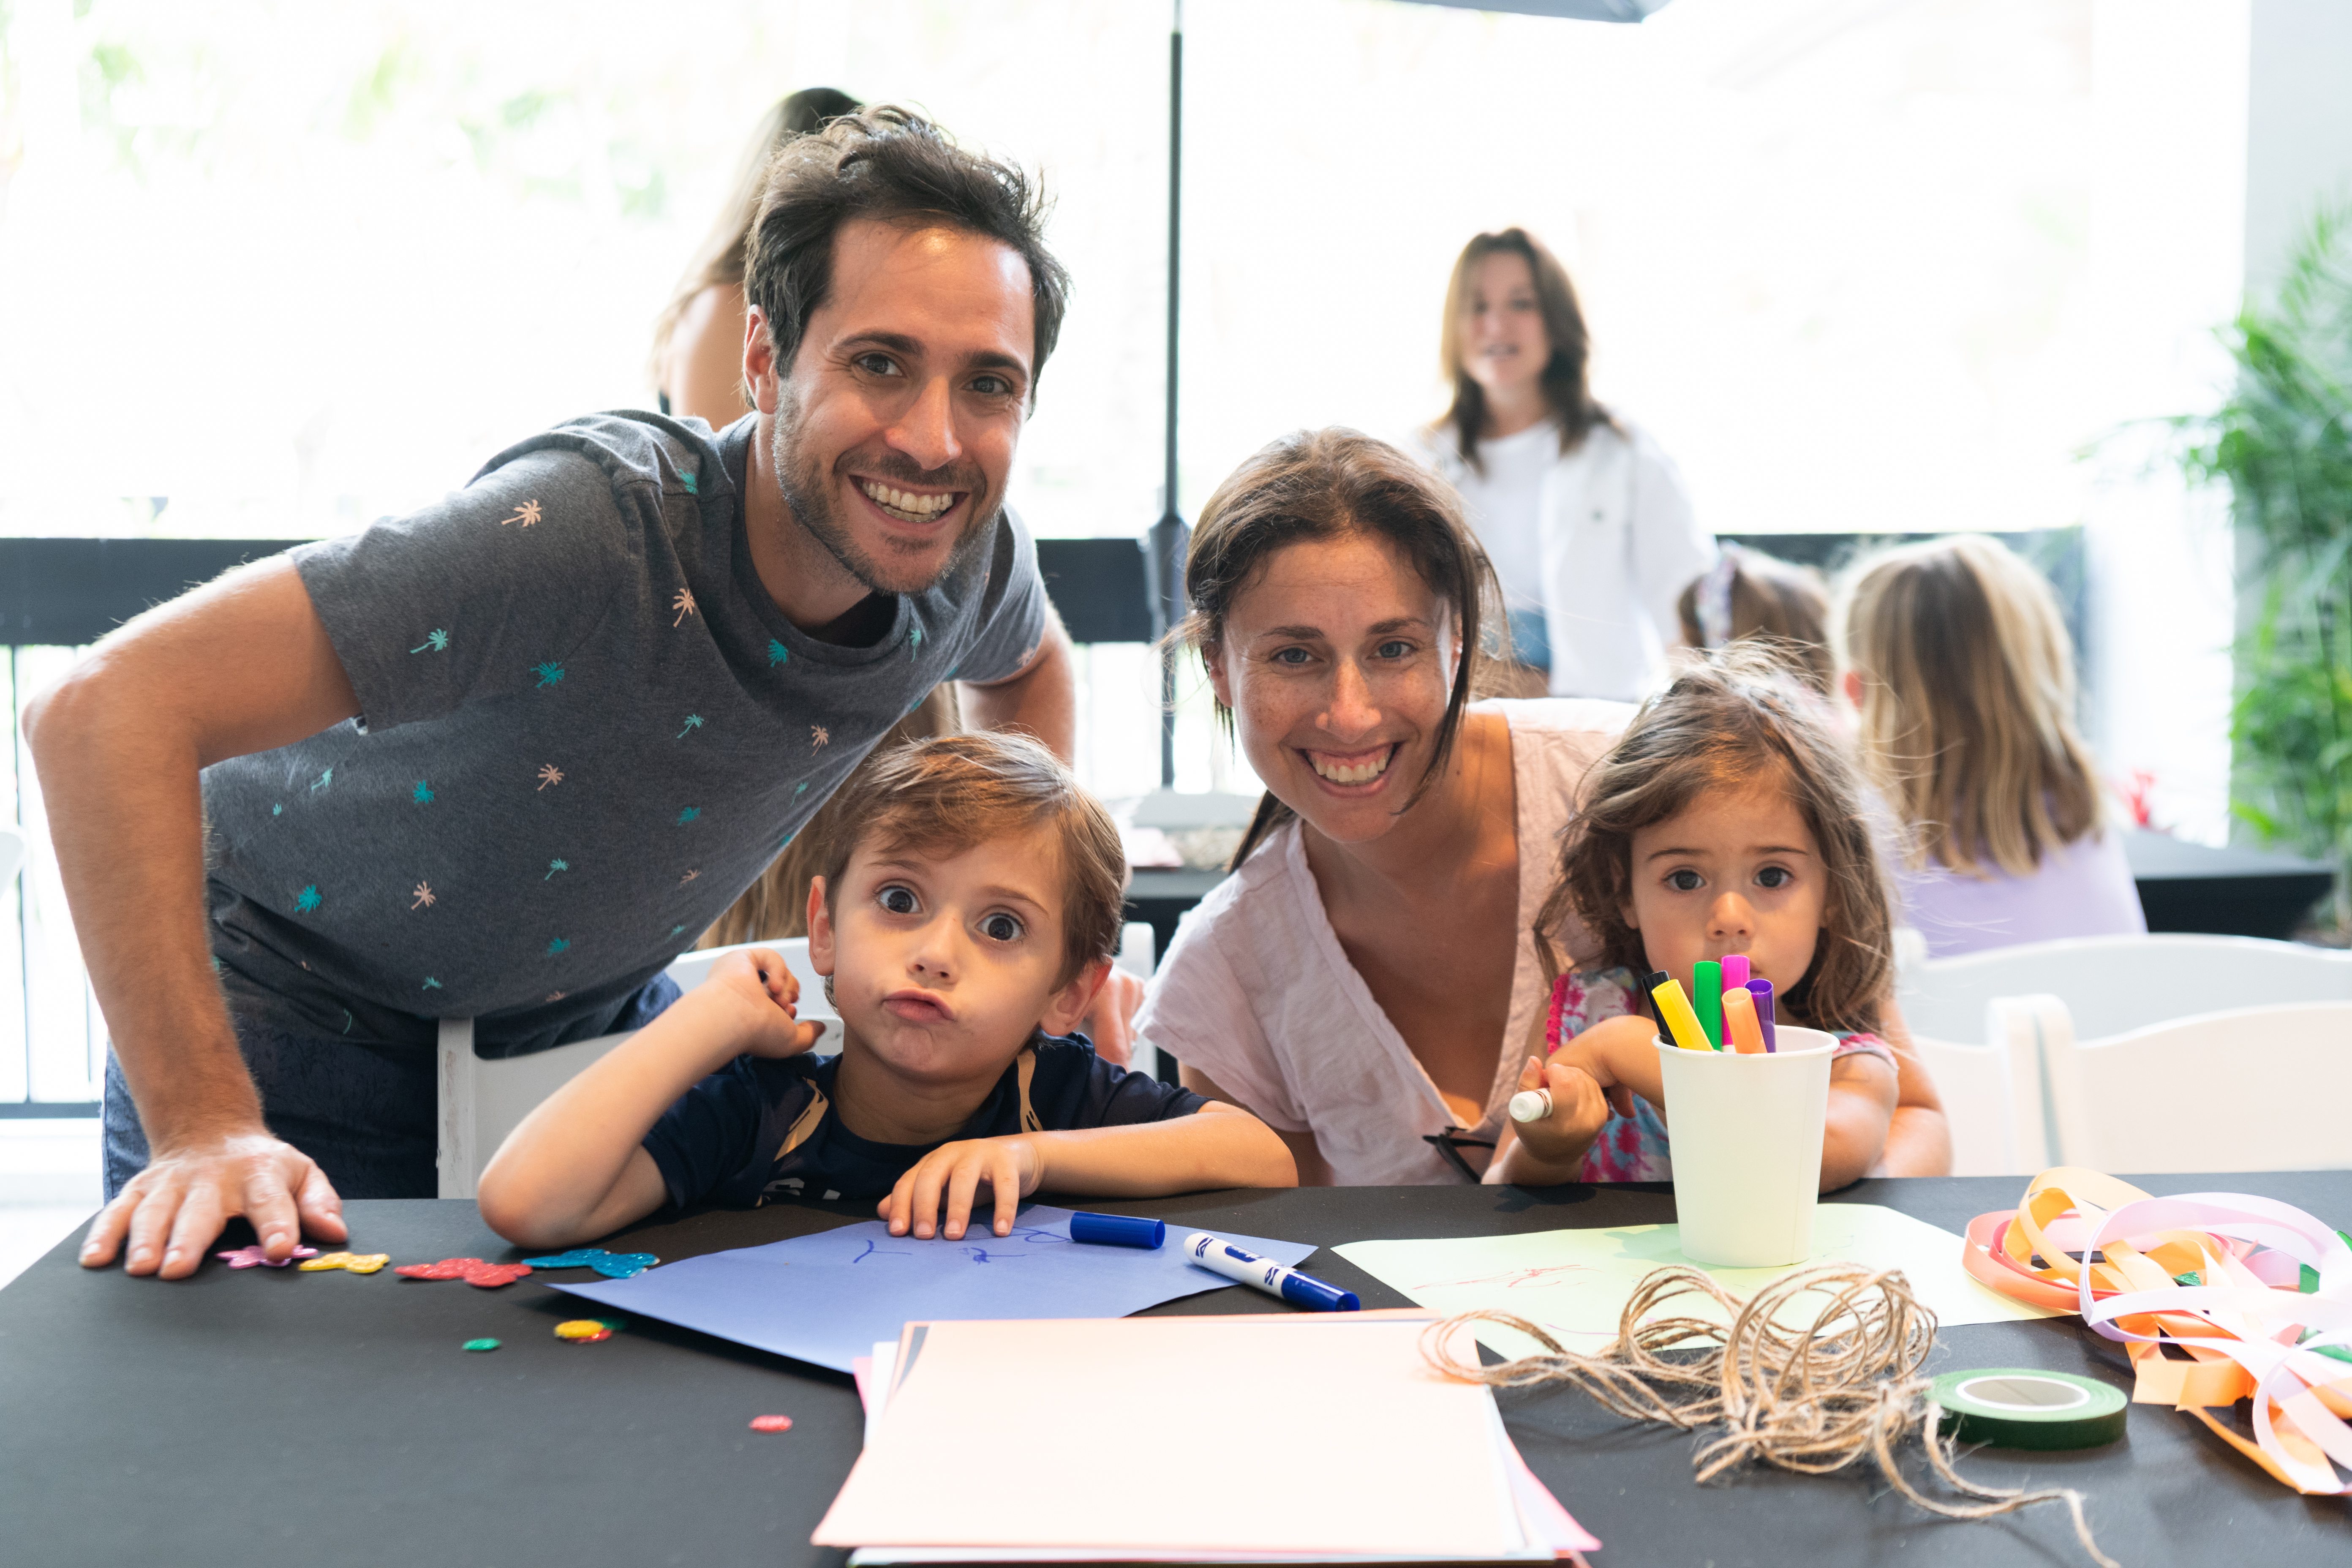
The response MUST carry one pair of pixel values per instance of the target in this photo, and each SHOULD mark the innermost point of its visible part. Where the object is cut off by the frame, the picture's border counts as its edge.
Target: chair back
(2254, 1089)
(12, 854)
(2113, 984)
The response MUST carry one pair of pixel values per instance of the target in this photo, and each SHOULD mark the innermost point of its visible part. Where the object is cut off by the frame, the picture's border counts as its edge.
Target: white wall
(2298, 123)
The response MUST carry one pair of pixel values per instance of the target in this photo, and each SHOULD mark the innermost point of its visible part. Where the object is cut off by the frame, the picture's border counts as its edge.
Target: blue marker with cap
(1222, 1256)
(1117, 1230)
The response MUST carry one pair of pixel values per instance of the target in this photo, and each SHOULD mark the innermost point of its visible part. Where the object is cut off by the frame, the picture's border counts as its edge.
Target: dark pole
(1170, 537)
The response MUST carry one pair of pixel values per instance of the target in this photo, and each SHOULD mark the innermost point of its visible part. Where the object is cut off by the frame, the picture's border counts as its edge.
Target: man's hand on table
(173, 1210)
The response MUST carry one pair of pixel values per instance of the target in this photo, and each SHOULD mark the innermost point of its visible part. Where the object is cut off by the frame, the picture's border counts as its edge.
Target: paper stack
(1286, 1438)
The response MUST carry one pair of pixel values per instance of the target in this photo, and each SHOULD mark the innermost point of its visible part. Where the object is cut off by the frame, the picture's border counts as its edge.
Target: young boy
(963, 923)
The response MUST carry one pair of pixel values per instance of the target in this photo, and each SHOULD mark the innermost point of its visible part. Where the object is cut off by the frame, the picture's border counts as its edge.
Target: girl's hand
(1608, 1053)
(953, 1174)
(764, 993)
(1578, 1110)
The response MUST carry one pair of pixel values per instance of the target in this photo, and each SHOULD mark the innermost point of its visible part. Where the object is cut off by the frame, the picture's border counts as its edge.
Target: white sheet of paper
(1575, 1283)
(1319, 1437)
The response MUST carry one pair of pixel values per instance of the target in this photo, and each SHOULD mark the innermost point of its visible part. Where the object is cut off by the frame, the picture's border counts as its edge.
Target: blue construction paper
(828, 1298)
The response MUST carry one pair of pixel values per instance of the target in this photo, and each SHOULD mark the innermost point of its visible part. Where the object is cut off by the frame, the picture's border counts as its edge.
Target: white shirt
(1503, 503)
(1256, 992)
(1617, 543)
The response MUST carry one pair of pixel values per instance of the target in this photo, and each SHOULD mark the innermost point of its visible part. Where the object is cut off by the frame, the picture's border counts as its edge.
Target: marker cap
(1308, 1291)
(1117, 1230)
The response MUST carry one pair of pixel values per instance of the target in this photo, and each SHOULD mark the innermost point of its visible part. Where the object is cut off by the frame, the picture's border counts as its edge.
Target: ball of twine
(1813, 1400)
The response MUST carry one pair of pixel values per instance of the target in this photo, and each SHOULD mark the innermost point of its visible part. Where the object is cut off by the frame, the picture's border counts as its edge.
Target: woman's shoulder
(1567, 732)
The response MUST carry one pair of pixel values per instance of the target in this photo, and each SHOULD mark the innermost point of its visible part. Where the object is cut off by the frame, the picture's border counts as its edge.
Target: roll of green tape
(2023, 1407)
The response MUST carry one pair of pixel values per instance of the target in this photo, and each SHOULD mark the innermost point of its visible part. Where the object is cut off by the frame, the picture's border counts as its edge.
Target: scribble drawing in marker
(874, 1251)
(422, 793)
(324, 780)
(525, 514)
(436, 640)
(981, 1254)
(308, 900)
(554, 867)
(557, 944)
(549, 674)
(430, 984)
(819, 738)
(684, 604)
(688, 814)
(693, 723)
(549, 773)
(423, 894)
(777, 653)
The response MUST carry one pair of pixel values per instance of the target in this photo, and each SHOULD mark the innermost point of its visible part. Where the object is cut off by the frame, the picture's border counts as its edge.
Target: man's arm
(1041, 697)
(241, 665)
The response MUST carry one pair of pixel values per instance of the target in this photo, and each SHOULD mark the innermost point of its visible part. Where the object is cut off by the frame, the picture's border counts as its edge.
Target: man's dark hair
(891, 164)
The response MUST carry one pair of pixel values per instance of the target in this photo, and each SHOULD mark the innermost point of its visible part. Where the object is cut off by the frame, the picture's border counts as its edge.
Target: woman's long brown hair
(1733, 719)
(1324, 484)
(1565, 384)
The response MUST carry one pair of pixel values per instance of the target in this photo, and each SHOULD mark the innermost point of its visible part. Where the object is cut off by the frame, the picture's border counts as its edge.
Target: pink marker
(1735, 971)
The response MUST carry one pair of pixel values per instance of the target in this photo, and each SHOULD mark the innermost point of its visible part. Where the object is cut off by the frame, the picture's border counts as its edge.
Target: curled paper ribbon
(353, 1262)
(610, 1265)
(2257, 1294)
(472, 1271)
(255, 1257)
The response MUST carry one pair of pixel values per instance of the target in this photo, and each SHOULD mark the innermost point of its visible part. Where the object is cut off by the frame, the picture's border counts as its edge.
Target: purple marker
(1762, 989)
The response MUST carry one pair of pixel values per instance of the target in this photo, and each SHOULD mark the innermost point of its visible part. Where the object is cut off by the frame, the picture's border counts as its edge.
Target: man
(505, 758)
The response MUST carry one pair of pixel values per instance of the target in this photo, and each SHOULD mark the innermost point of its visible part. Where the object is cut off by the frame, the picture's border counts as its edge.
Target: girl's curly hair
(1730, 720)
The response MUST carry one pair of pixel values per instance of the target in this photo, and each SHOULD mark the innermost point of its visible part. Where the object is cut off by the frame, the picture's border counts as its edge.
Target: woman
(1961, 668)
(1584, 516)
(698, 341)
(1360, 978)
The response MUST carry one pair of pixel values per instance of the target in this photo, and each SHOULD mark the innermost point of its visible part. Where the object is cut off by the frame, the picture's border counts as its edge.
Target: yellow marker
(1741, 1030)
(1682, 1024)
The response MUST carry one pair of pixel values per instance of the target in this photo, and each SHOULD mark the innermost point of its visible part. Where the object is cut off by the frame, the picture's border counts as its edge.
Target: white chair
(2022, 1002)
(481, 1101)
(12, 854)
(2255, 1089)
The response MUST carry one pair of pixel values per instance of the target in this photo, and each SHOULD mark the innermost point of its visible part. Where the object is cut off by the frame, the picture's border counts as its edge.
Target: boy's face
(942, 965)
(1731, 873)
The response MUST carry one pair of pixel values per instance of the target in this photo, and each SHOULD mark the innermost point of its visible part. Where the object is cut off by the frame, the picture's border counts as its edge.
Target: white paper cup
(1746, 1138)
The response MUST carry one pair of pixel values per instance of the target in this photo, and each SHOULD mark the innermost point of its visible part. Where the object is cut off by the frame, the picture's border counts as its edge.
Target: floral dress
(1635, 1148)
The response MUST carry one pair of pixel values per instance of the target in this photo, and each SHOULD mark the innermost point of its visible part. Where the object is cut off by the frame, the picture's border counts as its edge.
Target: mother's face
(1336, 662)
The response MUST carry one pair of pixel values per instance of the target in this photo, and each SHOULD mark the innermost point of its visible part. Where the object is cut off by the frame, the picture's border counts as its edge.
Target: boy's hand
(953, 1174)
(765, 990)
(1579, 1109)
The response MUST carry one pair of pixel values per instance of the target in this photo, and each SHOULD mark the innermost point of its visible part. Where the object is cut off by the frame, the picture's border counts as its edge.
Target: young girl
(1726, 820)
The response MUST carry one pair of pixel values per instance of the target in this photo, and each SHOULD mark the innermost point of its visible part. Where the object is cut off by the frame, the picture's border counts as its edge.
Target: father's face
(897, 418)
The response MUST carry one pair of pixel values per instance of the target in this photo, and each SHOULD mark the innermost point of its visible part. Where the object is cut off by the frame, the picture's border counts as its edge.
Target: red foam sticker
(472, 1271)
(771, 1422)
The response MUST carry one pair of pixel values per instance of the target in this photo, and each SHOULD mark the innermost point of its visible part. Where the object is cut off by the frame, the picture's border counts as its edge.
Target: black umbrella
(1164, 555)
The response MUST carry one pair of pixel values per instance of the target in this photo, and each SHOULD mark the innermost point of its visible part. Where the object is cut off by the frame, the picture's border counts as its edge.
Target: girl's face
(1503, 344)
(1735, 871)
(1336, 662)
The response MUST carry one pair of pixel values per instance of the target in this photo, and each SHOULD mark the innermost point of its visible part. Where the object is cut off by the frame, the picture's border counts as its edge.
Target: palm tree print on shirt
(525, 514)
(436, 640)
(778, 653)
(324, 781)
(556, 945)
(683, 605)
(549, 773)
(688, 814)
(549, 674)
(423, 894)
(422, 793)
(430, 984)
(554, 867)
(819, 738)
(915, 639)
(308, 900)
(693, 723)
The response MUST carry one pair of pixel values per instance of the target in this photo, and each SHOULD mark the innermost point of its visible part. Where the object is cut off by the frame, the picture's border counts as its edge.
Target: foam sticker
(350, 1262)
(610, 1265)
(255, 1257)
(472, 1271)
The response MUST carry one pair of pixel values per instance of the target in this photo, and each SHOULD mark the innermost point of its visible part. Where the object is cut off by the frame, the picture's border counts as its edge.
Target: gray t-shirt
(586, 728)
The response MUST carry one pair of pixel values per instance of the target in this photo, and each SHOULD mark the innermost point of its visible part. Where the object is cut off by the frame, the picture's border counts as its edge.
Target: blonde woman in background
(1960, 666)
(1583, 515)
(698, 341)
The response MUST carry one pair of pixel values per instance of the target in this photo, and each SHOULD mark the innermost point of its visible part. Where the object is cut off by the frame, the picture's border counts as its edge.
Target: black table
(257, 1416)
(2228, 891)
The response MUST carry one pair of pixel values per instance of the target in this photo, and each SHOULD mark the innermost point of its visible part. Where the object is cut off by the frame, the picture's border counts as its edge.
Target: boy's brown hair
(1730, 720)
(946, 795)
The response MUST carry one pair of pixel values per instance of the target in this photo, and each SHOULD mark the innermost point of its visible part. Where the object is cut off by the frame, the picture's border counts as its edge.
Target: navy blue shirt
(760, 1129)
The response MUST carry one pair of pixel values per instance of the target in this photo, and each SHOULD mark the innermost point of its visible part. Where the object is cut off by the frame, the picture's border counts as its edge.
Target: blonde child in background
(1727, 819)
(964, 920)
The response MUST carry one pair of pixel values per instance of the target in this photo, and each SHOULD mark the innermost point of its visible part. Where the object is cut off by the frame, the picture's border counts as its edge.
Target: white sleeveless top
(1256, 993)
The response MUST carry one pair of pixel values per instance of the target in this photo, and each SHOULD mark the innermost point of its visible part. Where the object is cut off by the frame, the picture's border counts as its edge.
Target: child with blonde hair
(1726, 820)
(1961, 665)
(964, 919)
